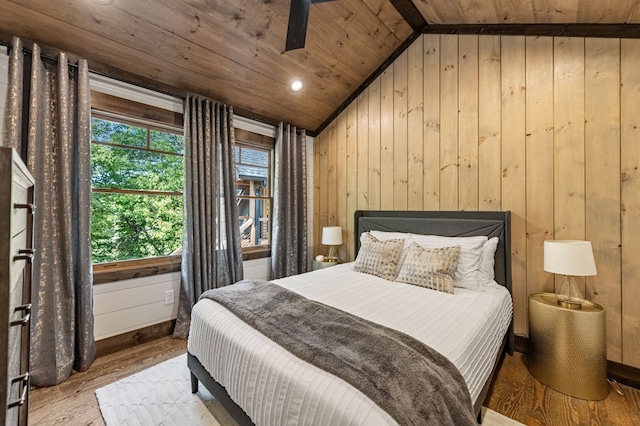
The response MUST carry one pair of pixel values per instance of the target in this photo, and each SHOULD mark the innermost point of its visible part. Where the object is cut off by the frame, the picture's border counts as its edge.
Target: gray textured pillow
(379, 258)
(432, 268)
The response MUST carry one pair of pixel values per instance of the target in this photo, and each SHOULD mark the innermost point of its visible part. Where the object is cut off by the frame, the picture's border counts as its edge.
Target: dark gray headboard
(448, 224)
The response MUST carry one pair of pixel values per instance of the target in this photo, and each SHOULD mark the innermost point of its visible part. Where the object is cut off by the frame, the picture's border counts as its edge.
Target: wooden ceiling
(233, 50)
(529, 11)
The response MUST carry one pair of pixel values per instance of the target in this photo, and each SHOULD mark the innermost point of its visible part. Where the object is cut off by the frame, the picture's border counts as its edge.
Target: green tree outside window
(137, 179)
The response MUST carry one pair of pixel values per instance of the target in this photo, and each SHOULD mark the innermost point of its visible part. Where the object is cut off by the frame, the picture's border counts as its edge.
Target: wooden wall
(547, 128)
(4, 81)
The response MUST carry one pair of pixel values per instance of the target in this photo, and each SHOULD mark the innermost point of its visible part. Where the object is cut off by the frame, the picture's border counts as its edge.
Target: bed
(247, 372)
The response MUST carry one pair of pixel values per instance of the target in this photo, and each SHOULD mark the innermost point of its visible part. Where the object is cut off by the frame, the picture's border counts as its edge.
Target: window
(253, 173)
(137, 180)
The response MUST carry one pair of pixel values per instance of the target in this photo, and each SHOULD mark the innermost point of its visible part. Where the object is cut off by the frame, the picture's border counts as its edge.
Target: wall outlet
(168, 297)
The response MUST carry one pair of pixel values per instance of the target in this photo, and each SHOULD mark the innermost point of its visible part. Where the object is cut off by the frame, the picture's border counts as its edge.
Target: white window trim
(254, 126)
(120, 89)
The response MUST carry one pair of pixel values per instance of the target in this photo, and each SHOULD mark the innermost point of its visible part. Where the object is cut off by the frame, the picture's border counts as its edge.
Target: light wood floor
(515, 393)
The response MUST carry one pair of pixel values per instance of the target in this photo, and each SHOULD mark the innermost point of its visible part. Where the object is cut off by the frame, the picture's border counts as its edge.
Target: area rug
(161, 395)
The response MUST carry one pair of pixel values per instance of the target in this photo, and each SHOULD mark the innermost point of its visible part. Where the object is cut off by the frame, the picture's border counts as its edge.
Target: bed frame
(445, 223)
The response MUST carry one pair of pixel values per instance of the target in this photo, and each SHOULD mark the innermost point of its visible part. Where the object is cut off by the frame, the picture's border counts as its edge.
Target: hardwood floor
(74, 402)
(515, 393)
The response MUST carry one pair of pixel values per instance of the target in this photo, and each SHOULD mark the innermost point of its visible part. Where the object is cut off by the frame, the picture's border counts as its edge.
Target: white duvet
(276, 388)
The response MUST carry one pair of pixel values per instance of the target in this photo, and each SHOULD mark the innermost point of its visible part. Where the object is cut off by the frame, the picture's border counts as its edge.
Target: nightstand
(321, 265)
(567, 347)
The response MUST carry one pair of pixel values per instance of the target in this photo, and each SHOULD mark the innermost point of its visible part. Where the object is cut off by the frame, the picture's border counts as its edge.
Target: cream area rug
(161, 395)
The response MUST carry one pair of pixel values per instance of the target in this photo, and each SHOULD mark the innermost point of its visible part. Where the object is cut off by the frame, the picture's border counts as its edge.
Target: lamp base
(570, 304)
(332, 256)
(570, 295)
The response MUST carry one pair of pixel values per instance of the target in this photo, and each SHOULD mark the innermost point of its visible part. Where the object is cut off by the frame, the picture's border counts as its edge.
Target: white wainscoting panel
(258, 269)
(128, 305)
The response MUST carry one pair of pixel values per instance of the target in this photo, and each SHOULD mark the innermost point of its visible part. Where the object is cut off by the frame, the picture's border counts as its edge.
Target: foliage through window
(253, 194)
(137, 180)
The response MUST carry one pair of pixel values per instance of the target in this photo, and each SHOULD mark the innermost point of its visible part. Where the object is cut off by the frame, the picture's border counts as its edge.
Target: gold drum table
(567, 347)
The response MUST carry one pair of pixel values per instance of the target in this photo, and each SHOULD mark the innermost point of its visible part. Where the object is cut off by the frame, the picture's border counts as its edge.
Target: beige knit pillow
(432, 268)
(379, 258)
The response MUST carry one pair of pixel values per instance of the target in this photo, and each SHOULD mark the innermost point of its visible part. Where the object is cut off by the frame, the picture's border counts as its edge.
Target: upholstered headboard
(448, 224)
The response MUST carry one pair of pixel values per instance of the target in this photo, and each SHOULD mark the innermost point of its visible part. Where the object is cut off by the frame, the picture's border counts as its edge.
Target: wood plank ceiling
(232, 50)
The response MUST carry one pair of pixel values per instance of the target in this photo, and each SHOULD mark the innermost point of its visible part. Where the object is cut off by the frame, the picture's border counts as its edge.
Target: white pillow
(468, 270)
(487, 262)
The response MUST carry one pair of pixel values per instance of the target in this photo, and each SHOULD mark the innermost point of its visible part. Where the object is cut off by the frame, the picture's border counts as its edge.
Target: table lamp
(569, 258)
(332, 237)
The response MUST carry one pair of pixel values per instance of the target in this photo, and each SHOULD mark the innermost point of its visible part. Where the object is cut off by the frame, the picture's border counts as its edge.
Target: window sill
(129, 269)
(252, 253)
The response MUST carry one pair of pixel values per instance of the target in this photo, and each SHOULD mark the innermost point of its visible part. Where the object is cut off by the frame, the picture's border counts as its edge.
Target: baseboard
(624, 374)
(521, 343)
(134, 338)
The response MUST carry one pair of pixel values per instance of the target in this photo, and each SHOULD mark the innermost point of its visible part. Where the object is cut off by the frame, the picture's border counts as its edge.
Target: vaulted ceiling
(233, 50)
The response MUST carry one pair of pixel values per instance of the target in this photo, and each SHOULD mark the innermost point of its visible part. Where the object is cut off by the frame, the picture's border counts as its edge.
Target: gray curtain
(289, 235)
(53, 133)
(211, 250)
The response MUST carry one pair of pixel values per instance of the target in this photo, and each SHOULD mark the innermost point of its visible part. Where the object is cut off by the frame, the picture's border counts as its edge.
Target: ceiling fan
(298, 18)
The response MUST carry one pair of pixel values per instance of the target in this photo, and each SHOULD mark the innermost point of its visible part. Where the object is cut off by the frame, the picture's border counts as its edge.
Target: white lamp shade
(569, 257)
(332, 235)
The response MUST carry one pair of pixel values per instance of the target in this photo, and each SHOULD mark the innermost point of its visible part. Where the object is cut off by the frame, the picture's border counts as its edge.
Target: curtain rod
(27, 51)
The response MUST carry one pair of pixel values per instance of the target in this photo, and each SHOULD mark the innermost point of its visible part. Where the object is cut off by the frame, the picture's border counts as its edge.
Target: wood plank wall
(547, 128)
(4, 87)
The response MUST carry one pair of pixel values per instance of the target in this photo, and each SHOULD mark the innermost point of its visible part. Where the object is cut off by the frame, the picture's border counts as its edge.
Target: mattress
(275, 388)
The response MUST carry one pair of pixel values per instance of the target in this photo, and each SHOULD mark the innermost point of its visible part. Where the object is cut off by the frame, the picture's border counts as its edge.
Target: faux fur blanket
(413, 383)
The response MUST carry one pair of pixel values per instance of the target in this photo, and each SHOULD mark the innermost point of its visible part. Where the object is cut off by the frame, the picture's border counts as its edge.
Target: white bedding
(276, 388)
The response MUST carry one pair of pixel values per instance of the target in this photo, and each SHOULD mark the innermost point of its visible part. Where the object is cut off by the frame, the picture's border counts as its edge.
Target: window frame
(248, 139)
(107, 107)
(124, 109)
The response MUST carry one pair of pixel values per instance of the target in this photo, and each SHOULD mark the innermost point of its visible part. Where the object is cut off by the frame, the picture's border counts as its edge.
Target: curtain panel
(56, 145)
(289, 235)
(211, 249)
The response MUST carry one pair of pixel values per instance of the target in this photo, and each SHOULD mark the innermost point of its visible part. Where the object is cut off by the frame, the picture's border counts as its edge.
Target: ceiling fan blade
(298, 18)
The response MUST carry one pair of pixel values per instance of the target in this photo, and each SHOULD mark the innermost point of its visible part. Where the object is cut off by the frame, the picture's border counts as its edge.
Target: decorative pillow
(388, 235)
(377, 257)
(487, 261)
(431, 268)
(468, 270)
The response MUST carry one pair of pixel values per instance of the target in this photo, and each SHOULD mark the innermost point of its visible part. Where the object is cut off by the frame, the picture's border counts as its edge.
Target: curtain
(289, 235)
(211, 250)
(52, 131)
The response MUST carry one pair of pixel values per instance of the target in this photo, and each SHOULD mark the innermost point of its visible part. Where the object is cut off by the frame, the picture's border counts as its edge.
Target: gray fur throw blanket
(413, 383)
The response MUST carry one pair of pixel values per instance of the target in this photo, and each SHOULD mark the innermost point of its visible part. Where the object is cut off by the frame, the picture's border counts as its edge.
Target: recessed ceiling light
(296, 85)
(103, 2)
